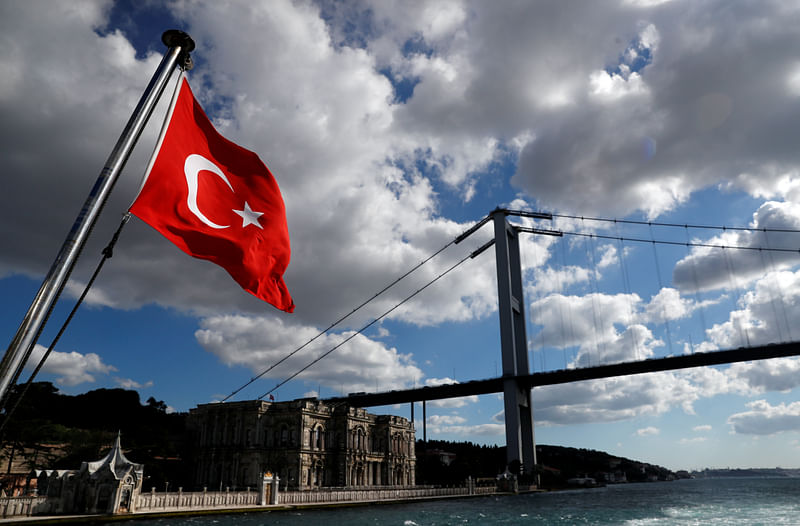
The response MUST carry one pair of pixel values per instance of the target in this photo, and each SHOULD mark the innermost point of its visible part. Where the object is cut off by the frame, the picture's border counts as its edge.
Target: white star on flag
(249, 216)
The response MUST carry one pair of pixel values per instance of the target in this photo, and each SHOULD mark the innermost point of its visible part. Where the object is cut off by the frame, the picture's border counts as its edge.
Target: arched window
(318, 437)
(360, 439)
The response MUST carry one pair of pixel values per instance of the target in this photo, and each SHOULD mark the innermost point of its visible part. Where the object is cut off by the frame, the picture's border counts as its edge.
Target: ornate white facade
(109, 485)
(307, 443)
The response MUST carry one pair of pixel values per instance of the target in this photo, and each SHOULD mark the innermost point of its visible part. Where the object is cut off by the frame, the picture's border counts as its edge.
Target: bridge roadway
(495, 385)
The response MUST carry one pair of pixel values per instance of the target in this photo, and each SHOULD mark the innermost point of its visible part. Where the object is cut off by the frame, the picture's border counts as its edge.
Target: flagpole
(180, 45)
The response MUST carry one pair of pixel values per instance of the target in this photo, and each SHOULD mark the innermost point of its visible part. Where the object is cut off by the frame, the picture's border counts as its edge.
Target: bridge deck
(495, 385)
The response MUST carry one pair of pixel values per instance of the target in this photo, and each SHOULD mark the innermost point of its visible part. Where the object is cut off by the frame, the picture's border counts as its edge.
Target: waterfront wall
(144, 503)
(180, 500)
(326, 495)
(208, 500)
(25, 506)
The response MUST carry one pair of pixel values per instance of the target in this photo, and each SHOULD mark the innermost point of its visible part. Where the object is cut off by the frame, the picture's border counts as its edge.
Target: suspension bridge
(517, 381)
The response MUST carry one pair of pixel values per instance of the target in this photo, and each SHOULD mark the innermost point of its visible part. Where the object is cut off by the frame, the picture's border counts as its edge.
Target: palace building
(308, 443)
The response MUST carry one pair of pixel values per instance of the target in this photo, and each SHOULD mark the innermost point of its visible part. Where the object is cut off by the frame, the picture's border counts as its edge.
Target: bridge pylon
(520, 442)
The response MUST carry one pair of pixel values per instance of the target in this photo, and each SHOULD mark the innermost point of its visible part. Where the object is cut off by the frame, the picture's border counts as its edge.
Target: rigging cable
(107, 253)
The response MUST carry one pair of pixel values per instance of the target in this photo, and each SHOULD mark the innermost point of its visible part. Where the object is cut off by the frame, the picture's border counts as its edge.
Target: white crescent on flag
(191, 168)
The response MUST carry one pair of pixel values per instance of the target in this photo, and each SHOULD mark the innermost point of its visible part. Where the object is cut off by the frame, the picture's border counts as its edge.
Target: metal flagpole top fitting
(174, 38)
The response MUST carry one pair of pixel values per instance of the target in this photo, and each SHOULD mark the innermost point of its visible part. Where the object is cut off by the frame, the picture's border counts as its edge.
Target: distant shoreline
(747, 473)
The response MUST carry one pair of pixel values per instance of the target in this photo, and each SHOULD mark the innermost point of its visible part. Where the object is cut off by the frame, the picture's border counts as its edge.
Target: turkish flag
(217, 201)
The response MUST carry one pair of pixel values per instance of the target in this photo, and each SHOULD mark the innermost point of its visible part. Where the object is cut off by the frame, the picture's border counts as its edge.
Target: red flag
(217, 201)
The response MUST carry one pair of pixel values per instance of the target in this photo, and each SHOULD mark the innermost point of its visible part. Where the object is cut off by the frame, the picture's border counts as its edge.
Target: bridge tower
(520, 443)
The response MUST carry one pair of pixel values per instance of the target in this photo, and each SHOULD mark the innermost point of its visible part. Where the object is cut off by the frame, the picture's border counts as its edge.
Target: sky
(391, 128)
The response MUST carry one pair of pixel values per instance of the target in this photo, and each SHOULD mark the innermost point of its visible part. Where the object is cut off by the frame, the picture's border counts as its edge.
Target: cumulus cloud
(777, 374)
(763, 315)
(762, 418)
(376, 215)
(127, 383)
(439, 420)
(482, 430)
(708, 268)
(657, 134)
(613, 399)
(658, 101)
(630, 397)
(258, 343)
(603, 327)
(70, 368)
(456, 425)
(626, 398)
(648, 431)
(449, 402)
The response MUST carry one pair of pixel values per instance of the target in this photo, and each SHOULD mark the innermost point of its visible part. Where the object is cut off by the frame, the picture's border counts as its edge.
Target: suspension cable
(359, 307)
(679, 225)
(681, 243)
(370, 324)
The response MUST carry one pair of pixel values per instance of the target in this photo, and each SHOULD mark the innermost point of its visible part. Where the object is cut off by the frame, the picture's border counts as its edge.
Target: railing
(179, 500)
(485, 490)
(200, 500)
(325, 495)
(24, 506)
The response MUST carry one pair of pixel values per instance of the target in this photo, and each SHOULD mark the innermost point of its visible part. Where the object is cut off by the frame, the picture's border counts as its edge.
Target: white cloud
(445, 420)
(777, 374)
(127, 383)
(613, 399)
(648, 431)
(667, 305)
(603, 327)
(764, 313)
(701, 428)
(70, 368)
(766, 419)
(630, 397)
(707, 268)
(628, 126)
(449, 402)
(360, 364)
(487, 430)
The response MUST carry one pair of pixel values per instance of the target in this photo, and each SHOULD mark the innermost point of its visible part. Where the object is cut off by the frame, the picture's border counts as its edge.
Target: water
(687, 502)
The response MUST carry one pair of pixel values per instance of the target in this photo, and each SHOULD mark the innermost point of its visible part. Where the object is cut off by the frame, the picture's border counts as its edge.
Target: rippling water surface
(774, 502)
